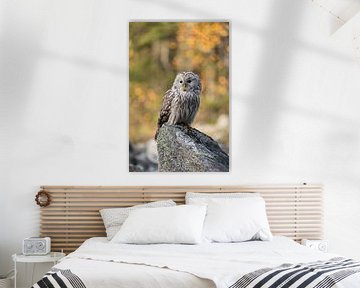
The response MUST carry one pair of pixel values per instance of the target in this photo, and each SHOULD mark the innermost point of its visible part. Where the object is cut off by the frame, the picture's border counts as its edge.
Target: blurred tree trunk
(183, 61)
(161, 52)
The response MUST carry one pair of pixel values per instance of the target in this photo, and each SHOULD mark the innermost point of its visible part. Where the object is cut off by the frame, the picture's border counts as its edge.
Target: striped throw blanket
(320, 274)
(59, 278)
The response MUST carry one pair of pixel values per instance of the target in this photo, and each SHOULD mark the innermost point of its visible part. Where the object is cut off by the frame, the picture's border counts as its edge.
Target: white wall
(63, 80)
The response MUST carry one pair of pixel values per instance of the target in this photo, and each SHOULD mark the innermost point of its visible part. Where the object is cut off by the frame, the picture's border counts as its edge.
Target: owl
(181, 102)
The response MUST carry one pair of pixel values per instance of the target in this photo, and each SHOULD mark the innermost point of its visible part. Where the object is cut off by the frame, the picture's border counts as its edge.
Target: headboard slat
(73, 216)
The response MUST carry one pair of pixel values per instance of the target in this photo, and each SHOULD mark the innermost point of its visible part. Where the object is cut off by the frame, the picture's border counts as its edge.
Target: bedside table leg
(32, 274)
(15, 273)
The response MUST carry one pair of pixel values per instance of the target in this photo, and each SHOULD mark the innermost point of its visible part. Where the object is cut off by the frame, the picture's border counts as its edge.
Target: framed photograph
(179, 96)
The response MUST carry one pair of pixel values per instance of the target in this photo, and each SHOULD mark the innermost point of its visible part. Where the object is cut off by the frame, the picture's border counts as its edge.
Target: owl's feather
(165, 109)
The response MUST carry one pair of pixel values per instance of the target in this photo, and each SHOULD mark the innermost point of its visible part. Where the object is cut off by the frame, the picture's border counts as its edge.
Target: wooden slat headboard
(73, 215)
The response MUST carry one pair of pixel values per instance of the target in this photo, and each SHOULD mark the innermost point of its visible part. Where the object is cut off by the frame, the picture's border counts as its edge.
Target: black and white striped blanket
(59, 278)
(320, 274)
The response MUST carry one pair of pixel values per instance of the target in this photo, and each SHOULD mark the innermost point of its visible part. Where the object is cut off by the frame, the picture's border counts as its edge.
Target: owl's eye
(181, 81)
(188, 81)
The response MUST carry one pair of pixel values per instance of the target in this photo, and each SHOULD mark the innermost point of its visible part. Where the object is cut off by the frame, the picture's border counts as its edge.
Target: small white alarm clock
(36, 246)
(320, 245)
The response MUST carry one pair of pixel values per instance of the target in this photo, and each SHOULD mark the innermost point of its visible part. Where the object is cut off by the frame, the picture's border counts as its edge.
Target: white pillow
(236, 220)
(113, 218)
(180, 224)
(204, 198)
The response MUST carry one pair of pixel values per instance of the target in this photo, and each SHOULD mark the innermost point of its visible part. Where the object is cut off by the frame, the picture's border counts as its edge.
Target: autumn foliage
(157, 52)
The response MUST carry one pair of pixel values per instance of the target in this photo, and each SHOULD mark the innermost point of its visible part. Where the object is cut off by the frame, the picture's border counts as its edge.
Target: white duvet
(100, 263)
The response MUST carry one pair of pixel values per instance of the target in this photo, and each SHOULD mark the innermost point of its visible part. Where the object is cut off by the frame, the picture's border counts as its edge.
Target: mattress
(99, 263)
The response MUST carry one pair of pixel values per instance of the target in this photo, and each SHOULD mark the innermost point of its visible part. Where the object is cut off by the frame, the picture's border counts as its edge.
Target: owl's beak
(183, 87)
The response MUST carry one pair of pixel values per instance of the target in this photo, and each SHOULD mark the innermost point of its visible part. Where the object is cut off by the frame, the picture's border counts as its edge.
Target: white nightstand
(53, 257)
(320, 245)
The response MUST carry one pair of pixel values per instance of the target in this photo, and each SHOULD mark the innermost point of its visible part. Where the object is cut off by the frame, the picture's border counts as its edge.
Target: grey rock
(136, 168)
(186, 149)
(140, 160)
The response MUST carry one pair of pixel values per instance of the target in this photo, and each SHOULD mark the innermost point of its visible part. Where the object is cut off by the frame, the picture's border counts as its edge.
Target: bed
(99, 263)
(294, 213)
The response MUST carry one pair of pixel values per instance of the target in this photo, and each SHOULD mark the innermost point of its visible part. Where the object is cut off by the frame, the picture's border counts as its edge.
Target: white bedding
(100, 263)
